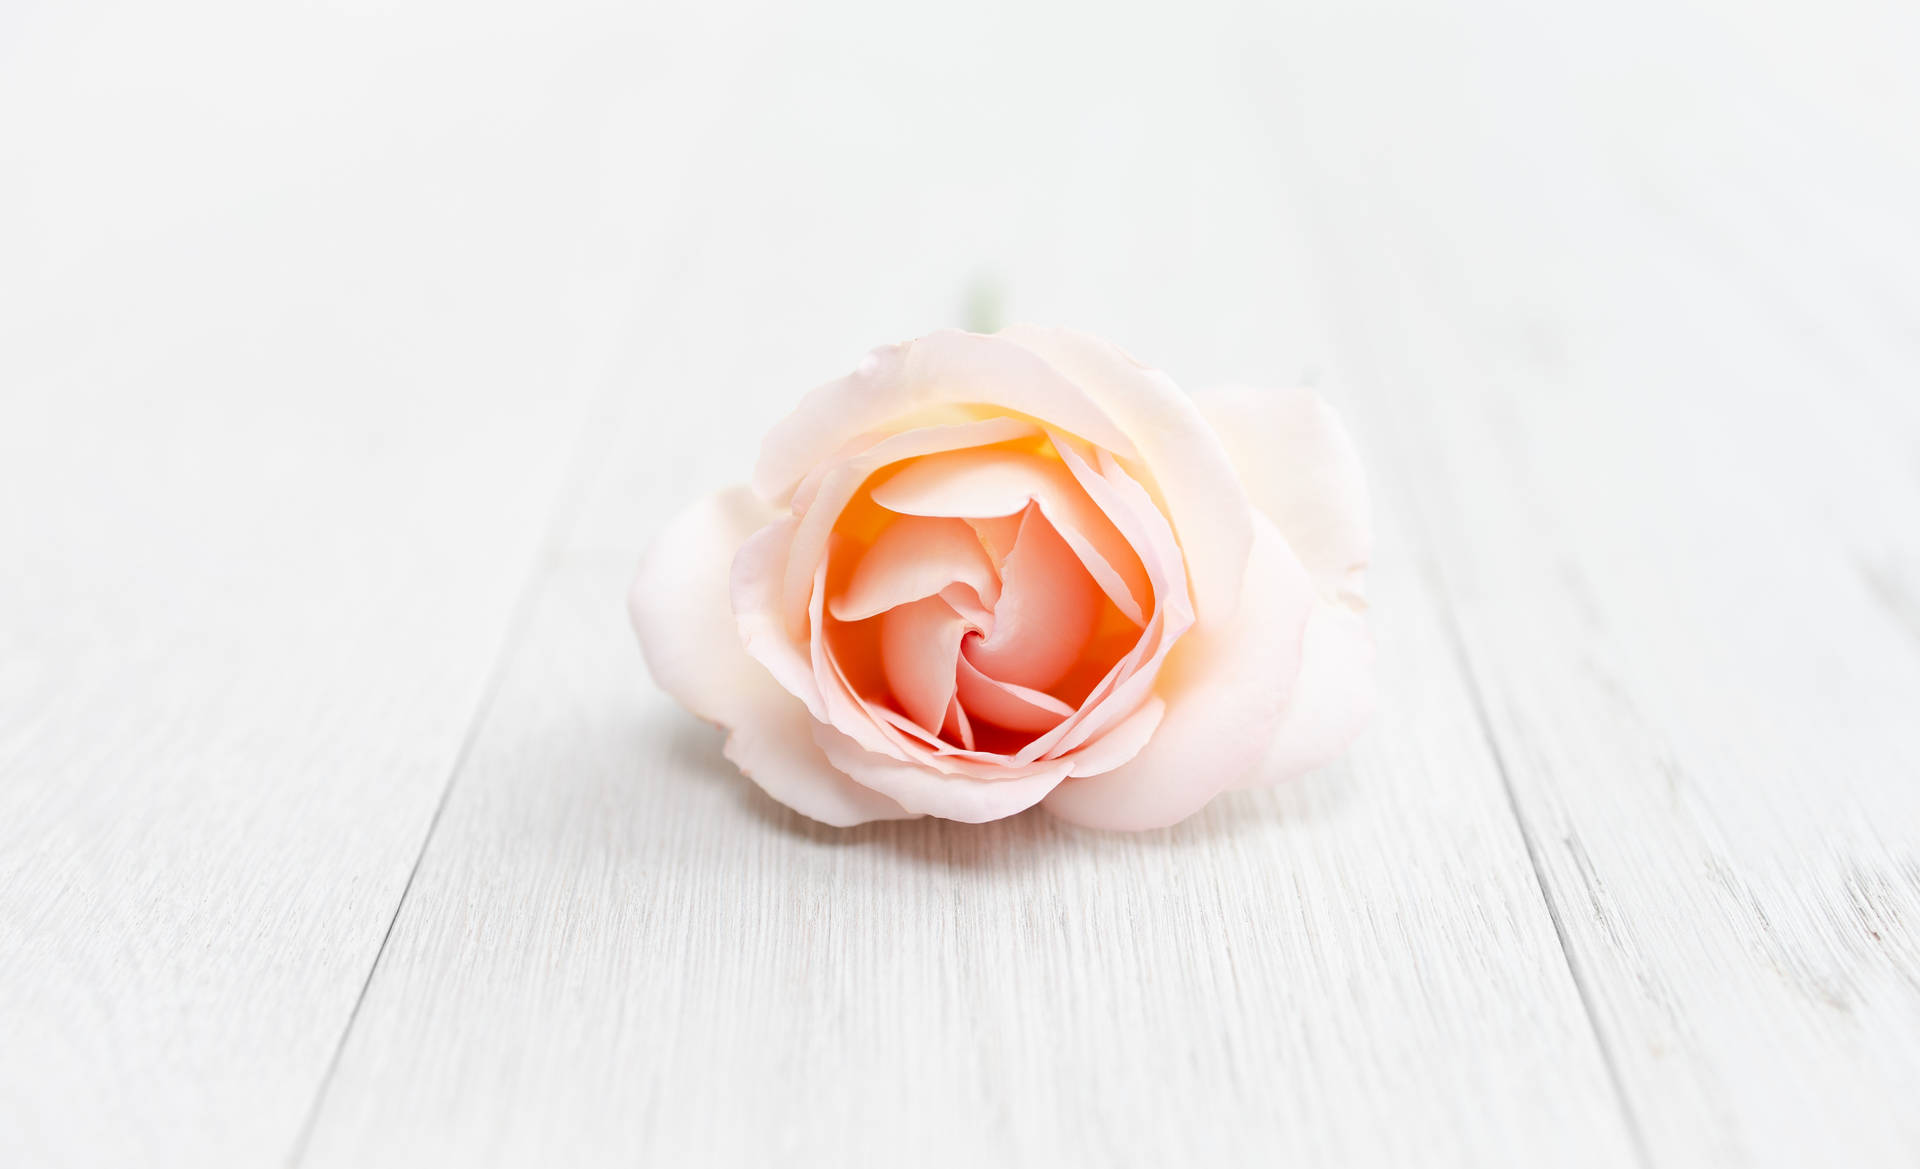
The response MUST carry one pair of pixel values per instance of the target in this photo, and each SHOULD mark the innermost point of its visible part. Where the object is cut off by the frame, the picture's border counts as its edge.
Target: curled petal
(1130, 509)
(1007, 704)
(861, 715)
(918, 379)
(1132, 679)
(1197, 482)
(958, 725)
(839, 484)
(968, 604)
(1301, 469)
(916, 557)
(1225, 687)
(919, 648)
(1122, 741)
(757, 571)
(928, 792)
(997, 533)
(990, 482)
(1046, 611)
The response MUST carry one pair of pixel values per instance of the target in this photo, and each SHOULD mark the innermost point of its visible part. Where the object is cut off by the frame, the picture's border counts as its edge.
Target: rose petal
(1301, 469)
(1121, 689)
(679, 605)
(976, 764)
(757, 571)
(1225, 686)
(915, 557)
(967, 603)
(1045, 614)
(846, 706)
(997, 534)
(1129, 682)
(1333, 699)
(951, 797)
(898, 381)
(957, 726)
(870, 722)
(1006, 704)
(1131, 511)
(1122, 741)
(839, 485)
(919, 646)
(774, 746)
(986, 482)
(1197, 482)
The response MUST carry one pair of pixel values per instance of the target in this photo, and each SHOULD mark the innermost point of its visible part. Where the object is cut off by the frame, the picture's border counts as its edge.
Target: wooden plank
(284, 420)
(617, 951)
(1655, 385)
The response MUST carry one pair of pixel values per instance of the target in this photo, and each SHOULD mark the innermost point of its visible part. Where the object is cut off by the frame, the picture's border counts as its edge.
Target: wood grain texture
(618, 952)
(292, 398)
(279, 447)
(1665, 464)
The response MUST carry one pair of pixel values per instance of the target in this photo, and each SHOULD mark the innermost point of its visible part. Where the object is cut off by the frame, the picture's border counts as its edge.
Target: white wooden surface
(348, 357)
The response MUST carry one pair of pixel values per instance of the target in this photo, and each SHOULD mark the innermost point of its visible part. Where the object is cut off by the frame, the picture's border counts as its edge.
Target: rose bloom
(981, 573)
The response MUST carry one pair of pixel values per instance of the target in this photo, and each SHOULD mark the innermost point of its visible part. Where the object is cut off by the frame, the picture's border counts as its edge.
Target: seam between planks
(510, 642)
(580, 466)
(1322, 235)
(1469, 676)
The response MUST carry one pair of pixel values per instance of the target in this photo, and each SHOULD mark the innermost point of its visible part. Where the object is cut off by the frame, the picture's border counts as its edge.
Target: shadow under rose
(1020, 841)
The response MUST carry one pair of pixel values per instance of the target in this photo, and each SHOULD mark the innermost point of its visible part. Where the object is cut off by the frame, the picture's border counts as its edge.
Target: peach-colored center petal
(837, 486)
(985, 482)
(990, 602)
(916, 557)
(1046, 611)
(1012, 706)
(919, 650)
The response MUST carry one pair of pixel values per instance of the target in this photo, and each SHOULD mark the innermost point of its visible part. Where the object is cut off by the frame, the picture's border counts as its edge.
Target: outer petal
(899, 381)
(1197, 482)
(679, 605)
(775, 748)
(1122, 741)
(754, 586)
(1333, 700)
(1225, 687)
(951, 797)
(1301, 469)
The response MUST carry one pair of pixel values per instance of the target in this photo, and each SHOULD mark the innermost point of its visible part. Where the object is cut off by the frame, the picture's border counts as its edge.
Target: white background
(350, 354)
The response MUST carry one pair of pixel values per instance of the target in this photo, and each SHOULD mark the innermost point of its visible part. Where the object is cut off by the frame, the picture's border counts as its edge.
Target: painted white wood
(1643, 340)
(302, 315)
(617, 951)
(284, 419)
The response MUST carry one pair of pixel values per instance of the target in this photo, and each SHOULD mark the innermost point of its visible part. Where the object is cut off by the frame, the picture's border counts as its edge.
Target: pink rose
(985, 572)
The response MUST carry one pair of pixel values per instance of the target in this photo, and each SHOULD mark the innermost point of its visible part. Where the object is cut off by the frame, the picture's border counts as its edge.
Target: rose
(985, 572)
